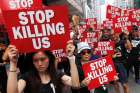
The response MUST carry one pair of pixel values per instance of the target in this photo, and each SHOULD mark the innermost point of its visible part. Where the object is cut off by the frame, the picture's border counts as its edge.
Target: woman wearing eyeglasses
(85, 54)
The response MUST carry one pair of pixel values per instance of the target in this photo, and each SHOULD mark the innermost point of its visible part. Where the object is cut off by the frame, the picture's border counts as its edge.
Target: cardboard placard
(91, 23)
(91, 38)
(113, 12)
(100, 71)
(122, 23)
(20, 4)
(106, 47)
(38, 29)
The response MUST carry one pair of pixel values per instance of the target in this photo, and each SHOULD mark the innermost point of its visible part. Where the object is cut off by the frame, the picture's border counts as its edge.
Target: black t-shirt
(34, 85)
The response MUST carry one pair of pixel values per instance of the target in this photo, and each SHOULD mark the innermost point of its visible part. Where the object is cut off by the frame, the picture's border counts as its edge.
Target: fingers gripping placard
(100, 71)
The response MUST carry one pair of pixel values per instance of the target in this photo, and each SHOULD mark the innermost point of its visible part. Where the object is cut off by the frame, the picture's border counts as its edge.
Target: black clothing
(34, 85)
(3, 75)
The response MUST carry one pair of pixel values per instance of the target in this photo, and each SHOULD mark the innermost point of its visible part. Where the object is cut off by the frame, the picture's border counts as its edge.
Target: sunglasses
(85, 51)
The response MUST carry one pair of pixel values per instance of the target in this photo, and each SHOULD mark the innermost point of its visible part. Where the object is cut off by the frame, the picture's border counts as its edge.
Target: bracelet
(12, 70)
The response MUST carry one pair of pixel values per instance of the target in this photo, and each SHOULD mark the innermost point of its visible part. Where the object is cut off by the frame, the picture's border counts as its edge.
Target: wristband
(12, 70)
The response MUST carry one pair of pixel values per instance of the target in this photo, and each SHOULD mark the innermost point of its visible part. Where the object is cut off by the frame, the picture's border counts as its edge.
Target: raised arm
(74, 79)
(13, 86)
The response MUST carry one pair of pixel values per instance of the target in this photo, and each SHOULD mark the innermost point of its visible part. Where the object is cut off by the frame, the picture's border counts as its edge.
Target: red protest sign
(91, 23)
(1, 17)
(20, 4)
(38, 29)
(125, 12)
(135, 15)
(113, 12)
(121, 24)
(90, 37)
(100, 71)
(106, 47)
(108, 24)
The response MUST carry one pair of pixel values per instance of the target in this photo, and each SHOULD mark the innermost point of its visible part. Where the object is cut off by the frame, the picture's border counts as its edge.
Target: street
(134, 88)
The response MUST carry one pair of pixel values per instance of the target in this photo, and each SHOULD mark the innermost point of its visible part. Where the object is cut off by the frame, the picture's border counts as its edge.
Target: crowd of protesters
(42, 72)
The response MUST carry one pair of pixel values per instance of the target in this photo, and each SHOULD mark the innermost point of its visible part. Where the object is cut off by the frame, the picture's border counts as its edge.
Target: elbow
(76, 86)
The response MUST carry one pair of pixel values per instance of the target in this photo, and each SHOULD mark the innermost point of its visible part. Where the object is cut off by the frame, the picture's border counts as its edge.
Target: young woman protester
(44, 78)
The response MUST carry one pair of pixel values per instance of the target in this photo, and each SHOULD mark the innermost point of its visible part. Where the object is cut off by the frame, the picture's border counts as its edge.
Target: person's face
(136, 35)
(86, 55)
(116, 38)
(70, 49)
(40, 61)
(106, 32)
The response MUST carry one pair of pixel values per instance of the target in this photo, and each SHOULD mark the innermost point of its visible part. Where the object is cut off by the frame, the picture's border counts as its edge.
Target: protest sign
(108, 24)
(100, 71)
(125, 12)
(135, 15)
(20, 4)
(1, 17)
(91, 23)
(38, 29)
(122, 23)
(90, 37)
(113, 12)
(106, 47)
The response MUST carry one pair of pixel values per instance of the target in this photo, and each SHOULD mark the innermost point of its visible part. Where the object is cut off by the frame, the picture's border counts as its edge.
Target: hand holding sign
(13, 53)
(100, 71)
(85, 82)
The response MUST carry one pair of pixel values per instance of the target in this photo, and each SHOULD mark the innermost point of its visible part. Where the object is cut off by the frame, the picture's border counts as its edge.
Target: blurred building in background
(124, 4)
(92, 9)
(74, 6)
(136, 4)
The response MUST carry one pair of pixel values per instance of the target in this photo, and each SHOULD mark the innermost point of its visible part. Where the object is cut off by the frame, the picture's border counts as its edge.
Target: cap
(82, 45)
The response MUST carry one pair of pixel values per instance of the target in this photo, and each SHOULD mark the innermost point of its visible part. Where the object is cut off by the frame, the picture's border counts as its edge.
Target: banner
(106, 47)
(125, 12)
(135, 15)
(1, 17)
(20, 4)
(91, 23)
(38, 29)
(91, 38)
(100, 71)
(108, 24)
(122, 24)
(113, 12)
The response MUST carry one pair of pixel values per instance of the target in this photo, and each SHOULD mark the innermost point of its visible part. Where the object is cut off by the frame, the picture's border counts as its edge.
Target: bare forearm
(74, 75)
(12, 84)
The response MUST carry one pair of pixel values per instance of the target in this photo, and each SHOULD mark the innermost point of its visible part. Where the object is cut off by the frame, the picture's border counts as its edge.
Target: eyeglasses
(85, 51)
